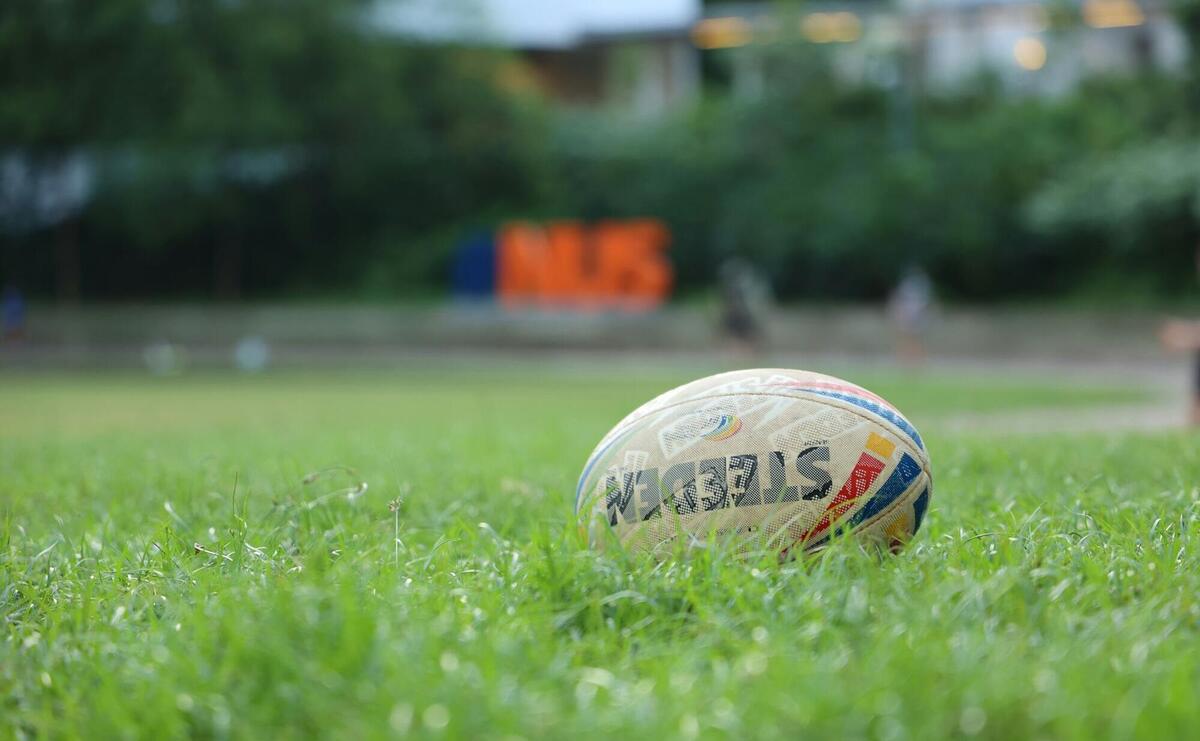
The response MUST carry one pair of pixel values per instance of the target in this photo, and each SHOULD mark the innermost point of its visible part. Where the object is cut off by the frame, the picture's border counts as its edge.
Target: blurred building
(644, 56)
(1032, 47)
(630, 55)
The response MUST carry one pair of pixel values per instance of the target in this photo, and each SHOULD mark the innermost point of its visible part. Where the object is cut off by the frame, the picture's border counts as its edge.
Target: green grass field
(196, 557)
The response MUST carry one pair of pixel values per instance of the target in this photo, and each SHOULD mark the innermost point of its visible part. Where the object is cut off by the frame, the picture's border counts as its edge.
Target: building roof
(533, 24)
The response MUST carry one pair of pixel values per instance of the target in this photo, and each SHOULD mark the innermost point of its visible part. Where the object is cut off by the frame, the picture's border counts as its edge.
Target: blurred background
(256, 183)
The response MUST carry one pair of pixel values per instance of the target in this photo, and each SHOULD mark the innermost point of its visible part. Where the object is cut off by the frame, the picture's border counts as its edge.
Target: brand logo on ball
(715, 483)
(734, 481)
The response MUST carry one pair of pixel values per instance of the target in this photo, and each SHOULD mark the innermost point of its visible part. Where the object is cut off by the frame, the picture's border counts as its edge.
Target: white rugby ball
(775, 459)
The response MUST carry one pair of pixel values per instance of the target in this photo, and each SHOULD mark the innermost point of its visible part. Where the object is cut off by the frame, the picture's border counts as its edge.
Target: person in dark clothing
(1196, 392)
(744, 305)
(1196, 350)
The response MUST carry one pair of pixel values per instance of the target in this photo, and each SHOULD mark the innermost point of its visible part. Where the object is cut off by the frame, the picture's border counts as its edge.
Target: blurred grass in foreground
(1053, 592)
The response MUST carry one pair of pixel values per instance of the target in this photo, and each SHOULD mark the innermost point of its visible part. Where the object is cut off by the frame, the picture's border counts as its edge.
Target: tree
(264, 137)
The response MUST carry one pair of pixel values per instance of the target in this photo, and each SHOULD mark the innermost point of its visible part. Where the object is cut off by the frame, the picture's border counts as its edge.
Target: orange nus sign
(610, 264)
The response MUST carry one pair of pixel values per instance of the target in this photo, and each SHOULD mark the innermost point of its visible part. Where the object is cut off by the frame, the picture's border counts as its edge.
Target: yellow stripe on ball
(880, 446)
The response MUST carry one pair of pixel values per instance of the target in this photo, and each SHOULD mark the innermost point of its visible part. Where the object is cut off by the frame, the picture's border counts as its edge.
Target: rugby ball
(774, 459)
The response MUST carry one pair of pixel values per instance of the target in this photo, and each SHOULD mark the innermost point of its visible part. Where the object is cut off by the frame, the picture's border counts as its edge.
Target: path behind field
(1056, 345)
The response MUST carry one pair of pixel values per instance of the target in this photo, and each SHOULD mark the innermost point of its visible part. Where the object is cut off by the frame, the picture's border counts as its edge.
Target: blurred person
(1183, 335)
(909, 308)
(14, 314)
(745, 302)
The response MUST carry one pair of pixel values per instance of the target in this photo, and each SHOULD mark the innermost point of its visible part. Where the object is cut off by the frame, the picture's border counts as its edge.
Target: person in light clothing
(910, 308)
(1184, 336)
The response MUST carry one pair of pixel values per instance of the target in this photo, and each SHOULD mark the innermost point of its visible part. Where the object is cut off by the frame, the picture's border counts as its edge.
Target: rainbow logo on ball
(726, 428)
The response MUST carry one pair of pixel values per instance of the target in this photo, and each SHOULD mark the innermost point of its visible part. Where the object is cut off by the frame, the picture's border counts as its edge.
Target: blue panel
(473, 274)
(919, 506)
(876, 409)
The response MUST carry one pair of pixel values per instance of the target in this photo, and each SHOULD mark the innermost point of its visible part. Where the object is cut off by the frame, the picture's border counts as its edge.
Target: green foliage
(170, 565)
(816, 185)
(1138, 208)
(1123, 192)
(267, 147)
(279, 141)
